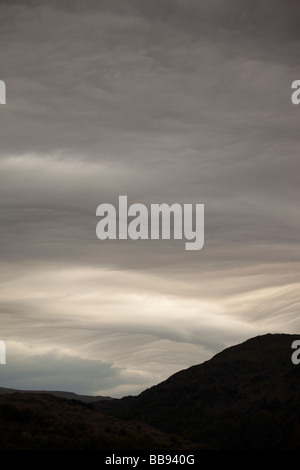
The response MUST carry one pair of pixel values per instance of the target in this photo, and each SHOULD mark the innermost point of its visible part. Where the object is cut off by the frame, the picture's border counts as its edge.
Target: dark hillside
(46, 422)
(243, 398)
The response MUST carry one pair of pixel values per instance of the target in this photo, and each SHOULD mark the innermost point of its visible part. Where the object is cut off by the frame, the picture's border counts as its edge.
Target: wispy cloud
(164, 102)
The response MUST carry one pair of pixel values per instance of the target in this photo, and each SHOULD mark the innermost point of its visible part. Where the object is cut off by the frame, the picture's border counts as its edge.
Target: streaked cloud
(164, 102)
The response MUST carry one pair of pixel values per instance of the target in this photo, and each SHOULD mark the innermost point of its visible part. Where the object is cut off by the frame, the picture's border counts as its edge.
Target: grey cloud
(53, 371)
(165, 102)
(119, 87)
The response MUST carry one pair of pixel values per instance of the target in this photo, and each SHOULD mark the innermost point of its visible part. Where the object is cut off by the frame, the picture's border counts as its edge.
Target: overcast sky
(162, 101)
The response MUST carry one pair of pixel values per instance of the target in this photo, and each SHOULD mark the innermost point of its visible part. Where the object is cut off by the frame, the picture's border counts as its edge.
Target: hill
(32, 421)
(57, 393)
(246, 397)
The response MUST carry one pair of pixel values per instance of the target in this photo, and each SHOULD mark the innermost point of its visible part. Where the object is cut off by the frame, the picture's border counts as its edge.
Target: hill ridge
(58, 393)
(244, 396)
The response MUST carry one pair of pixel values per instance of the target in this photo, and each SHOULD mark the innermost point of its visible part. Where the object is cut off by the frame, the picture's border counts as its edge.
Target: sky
(165, 101)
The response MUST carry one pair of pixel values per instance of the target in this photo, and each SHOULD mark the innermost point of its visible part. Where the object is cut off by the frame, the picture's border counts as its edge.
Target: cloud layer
(167, 101)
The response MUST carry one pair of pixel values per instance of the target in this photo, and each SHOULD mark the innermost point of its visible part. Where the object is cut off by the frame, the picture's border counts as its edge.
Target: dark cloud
(118, 81)
(55, 371)
(163, 101)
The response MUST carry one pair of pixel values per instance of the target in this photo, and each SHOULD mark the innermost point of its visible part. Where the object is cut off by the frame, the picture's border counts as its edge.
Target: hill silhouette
(246, 397)
(57, 393)
(33, 421)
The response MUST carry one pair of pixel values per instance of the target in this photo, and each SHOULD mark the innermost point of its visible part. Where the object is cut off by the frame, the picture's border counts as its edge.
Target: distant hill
(37, 421)
(246, 397)
(69, 395)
